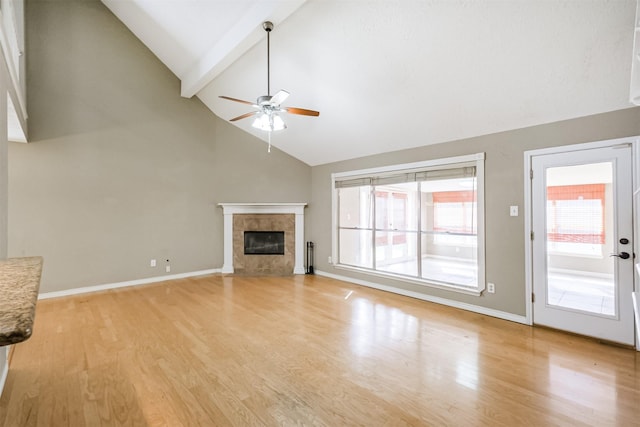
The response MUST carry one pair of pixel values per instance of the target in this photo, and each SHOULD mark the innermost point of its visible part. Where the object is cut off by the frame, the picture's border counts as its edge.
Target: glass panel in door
(579, 223)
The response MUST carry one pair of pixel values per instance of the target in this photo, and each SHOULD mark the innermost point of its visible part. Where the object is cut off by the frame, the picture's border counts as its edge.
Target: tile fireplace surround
(252, 213)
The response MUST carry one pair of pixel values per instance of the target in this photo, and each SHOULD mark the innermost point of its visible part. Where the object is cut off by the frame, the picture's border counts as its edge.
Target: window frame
(475, 160)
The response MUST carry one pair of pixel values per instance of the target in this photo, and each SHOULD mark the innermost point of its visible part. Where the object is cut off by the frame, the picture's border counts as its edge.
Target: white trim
(634, 141)
(583, 146)
(137, 282)
(265, 208)
(230, 209)
(444, 301)
(5, 368)
(334, 222)
(409, 166)
(528, 242)
(408, 279)
(481, 225)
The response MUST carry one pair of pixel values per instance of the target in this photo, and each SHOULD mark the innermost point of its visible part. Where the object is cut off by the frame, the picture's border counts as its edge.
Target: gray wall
(120, 169)
(504, 186)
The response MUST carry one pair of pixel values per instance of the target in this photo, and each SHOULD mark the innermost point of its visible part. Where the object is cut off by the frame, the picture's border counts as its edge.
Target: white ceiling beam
(241, 37)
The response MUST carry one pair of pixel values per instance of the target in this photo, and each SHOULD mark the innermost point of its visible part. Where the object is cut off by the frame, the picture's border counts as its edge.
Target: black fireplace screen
(264, 242)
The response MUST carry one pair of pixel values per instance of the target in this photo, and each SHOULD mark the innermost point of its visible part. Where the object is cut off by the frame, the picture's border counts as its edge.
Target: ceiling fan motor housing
(264, 100)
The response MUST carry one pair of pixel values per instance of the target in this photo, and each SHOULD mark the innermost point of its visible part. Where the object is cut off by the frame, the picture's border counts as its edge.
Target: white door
(582, 249)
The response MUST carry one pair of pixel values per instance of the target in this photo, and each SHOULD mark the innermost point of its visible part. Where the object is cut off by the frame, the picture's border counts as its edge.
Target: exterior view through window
(576, 219)
(420, 222)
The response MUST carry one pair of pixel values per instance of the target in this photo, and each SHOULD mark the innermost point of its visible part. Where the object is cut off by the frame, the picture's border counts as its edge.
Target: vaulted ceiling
(394, 74)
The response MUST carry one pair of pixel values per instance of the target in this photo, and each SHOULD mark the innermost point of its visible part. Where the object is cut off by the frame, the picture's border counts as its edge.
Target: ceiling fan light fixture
(277, 123)
(269, 122)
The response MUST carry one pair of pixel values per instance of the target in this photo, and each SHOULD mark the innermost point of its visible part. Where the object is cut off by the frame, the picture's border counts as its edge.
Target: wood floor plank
(303, 350)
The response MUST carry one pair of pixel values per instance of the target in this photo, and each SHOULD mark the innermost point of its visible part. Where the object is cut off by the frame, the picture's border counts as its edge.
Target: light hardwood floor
(304, 350)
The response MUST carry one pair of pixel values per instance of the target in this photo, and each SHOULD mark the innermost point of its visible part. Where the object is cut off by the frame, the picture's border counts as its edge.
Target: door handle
(623, 255)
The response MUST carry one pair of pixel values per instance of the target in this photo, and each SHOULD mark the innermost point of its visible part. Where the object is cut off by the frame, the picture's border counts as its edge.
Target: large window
(420, 222)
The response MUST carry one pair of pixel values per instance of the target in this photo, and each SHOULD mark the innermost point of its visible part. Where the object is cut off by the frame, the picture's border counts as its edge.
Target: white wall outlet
(329, 259)
(513, 210)
(491, 288)
(152, 263)
(167, 269)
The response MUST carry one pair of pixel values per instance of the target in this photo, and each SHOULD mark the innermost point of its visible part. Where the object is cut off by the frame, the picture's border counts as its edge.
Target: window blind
(431, 174)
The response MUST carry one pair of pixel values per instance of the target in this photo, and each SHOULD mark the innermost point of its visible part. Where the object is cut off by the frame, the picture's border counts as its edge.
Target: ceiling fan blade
(236, 100)
(279, 97)
(301, 111)
(244, 116)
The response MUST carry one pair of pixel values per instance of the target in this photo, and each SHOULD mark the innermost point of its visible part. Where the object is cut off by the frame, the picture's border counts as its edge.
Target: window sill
(447, 287)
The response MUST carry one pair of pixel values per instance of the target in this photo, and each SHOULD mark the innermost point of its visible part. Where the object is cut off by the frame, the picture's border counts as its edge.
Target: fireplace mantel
(230, 209)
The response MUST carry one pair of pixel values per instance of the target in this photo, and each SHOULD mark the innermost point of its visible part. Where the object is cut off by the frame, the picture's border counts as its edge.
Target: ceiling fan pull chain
(269, 148)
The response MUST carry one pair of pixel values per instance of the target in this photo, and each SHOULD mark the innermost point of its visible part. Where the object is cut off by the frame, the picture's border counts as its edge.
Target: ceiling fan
(268, 107)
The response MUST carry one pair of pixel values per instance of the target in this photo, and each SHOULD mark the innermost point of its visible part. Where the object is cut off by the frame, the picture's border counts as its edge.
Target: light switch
(513, 211)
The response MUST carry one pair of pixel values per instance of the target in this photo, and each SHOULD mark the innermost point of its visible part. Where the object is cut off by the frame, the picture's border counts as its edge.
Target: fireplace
(255, 219)
(264, 242)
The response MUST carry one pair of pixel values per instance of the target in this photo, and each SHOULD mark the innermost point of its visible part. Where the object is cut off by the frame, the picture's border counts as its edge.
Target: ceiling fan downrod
(268, 26)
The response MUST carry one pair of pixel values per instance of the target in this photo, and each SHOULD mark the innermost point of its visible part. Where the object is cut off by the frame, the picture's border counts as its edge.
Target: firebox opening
(264, 242)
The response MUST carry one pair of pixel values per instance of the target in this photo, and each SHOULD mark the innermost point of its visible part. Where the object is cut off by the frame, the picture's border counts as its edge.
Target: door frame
(634, 141)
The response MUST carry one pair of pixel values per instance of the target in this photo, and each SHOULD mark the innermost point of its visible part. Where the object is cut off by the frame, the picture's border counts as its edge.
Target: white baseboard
(451, 303)
(4, 366)
(128, 283)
